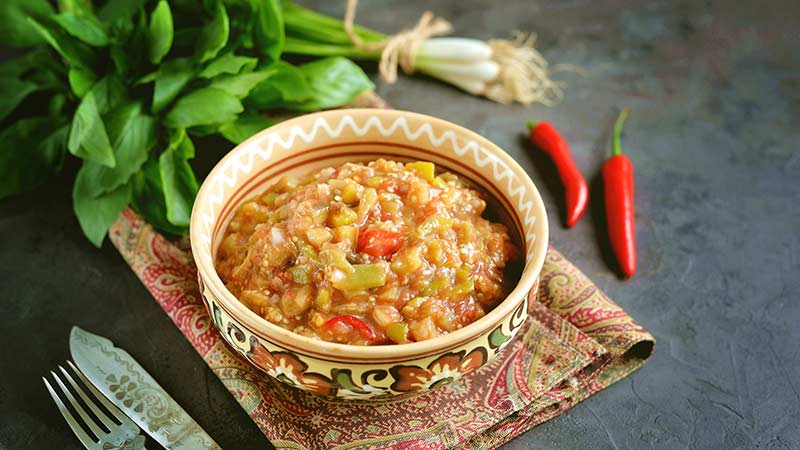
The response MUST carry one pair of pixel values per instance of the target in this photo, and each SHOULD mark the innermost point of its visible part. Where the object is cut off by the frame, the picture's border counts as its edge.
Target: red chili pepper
(357, 324)
(576, 191)
(618, 183)
(378, 242)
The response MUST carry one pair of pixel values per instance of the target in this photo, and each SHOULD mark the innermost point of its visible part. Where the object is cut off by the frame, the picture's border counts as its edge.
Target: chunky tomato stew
(367, 254)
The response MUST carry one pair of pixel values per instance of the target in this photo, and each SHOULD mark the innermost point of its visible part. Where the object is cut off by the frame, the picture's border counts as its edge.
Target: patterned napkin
(576, 342)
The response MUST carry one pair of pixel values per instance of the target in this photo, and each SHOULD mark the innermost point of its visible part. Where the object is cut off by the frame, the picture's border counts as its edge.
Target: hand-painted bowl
(311, 142)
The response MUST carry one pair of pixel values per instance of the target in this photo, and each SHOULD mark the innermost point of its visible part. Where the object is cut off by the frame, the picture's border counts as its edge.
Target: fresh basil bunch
(124, 85)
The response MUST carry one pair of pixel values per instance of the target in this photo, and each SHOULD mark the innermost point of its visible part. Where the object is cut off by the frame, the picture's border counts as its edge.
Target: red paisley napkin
(575, 343)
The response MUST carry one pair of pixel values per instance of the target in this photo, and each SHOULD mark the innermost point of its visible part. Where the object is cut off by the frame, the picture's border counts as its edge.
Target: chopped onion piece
(276, 236)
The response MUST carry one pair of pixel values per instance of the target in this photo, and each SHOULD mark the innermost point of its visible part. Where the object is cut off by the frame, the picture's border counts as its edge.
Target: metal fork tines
(120, 434)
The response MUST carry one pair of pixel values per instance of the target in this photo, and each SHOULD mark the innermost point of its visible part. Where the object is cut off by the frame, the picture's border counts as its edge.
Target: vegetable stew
(368, 254)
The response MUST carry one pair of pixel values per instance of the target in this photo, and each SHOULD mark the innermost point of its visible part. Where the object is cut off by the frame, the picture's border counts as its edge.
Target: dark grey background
(715, 90)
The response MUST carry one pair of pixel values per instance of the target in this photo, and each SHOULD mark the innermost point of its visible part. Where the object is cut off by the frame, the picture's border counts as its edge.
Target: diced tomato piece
(377, 242)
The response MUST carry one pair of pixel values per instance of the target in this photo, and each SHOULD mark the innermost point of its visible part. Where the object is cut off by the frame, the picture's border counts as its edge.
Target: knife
(126, 384)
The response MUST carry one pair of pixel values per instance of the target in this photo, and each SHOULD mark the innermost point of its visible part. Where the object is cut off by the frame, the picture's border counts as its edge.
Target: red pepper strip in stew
(576, 191)
(379, 242)
(618, 183)
(357, 324)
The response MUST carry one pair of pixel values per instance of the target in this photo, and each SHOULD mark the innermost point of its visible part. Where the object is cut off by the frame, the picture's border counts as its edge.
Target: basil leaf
(97, 213)
(229, 63)
(148, 78)
(148, 198)
(244, 126)
(241, 16)
(133, 135)
(287, 84)
(131, 131)
(177, 177)
(269, 31)
(120, 10)
(119, 55)
(129, 44)
(159, 36)
(185, 36)
(16, 31)
(119, 31)
(172, 77)
(87, 137)
(84, 27)
(240, 85)
(206, 106)
(240, 6)
(47, 80)
(54, 144)
(75, 52)
(38, 67)
(80, 80)
(56, 105)
(203, 130)
(109, 93)
(34, 59)
(32, 150)
(74, 6)
(214, 35)
(334, 81)
(12, 92)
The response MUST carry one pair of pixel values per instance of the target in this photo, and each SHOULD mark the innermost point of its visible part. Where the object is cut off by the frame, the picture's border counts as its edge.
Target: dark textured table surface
(715, 92)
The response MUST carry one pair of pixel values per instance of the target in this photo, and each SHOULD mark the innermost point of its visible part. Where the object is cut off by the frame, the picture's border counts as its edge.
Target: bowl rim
(265, 329)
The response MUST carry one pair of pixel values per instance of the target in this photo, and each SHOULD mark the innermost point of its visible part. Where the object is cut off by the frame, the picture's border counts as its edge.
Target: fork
(124, 435)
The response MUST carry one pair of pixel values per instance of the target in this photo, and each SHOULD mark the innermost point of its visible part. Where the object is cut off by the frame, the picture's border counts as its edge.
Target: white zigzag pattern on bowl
(243, 165)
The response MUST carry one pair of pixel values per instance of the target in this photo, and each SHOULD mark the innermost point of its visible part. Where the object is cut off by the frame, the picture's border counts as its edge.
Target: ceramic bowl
(311, 142)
